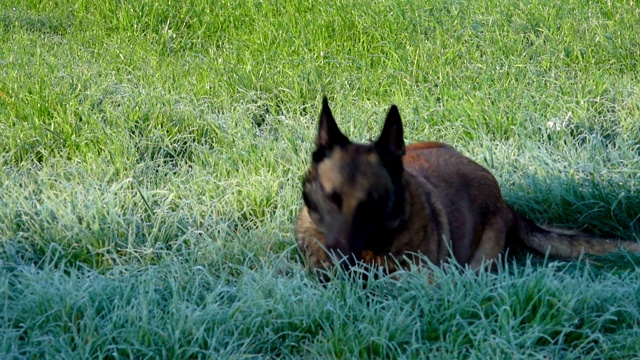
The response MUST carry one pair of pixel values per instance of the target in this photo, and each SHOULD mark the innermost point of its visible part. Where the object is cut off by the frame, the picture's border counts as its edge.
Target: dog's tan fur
(379, 203)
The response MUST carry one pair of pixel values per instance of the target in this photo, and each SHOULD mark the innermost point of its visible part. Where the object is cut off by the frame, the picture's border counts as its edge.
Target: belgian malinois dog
(382, 203)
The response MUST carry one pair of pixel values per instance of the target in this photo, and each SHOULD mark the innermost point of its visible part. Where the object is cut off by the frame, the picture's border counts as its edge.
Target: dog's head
(355, 192)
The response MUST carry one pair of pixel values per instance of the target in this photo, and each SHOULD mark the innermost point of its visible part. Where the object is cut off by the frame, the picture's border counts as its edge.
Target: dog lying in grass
(382, 203)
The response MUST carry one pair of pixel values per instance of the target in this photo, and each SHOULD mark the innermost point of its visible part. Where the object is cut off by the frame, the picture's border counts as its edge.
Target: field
(151, 154)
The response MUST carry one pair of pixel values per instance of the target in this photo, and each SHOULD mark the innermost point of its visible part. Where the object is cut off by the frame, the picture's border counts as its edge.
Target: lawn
(152, 152)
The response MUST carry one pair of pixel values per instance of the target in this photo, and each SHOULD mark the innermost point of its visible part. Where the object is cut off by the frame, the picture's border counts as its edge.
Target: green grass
(151, 156)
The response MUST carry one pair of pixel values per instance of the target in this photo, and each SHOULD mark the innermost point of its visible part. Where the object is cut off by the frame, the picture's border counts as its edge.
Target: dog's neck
(402, 204)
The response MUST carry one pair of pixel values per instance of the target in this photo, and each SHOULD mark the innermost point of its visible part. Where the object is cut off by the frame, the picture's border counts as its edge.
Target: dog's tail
(566, 244)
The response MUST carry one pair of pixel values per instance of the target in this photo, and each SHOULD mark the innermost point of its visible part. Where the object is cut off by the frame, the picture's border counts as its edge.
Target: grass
(152, 153)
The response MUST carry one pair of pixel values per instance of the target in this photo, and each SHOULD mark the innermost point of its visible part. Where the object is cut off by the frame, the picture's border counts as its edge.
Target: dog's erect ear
(329, 134)
(391, 140)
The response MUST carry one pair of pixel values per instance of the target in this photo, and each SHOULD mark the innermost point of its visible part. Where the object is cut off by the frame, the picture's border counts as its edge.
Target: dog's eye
(336, 199)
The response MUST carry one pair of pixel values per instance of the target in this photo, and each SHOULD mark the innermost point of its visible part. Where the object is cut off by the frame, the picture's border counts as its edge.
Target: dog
(382, 203)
